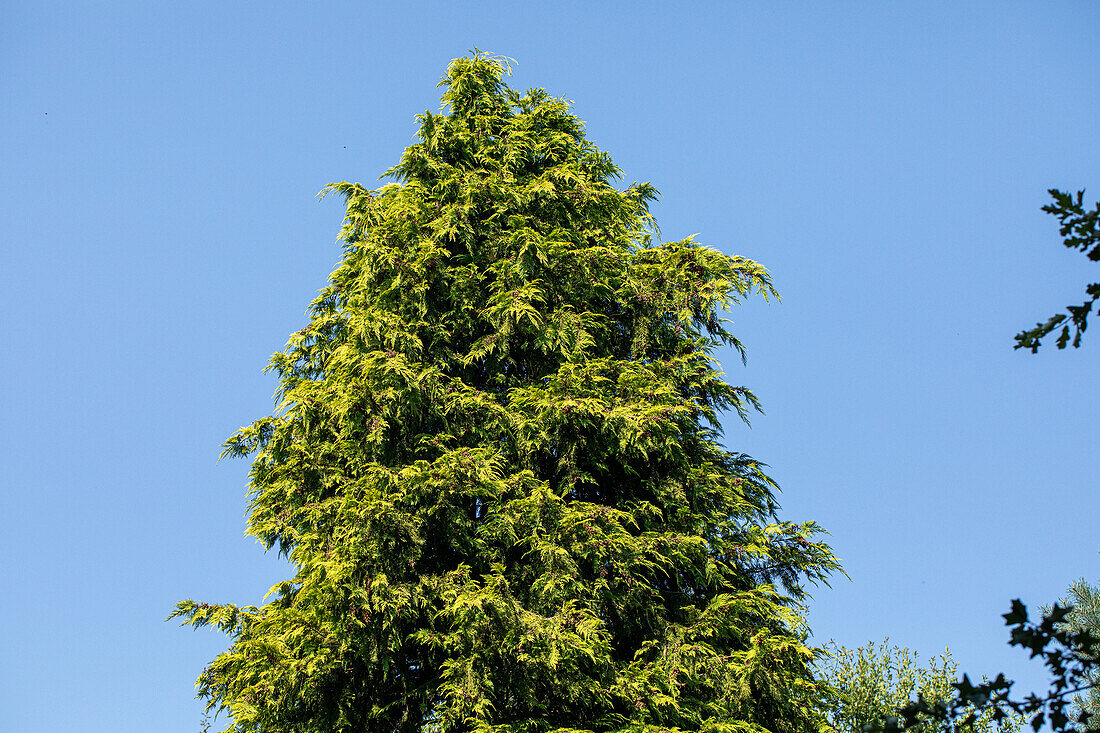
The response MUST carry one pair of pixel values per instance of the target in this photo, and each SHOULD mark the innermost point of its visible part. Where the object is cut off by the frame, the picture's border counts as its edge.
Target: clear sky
(160, 238)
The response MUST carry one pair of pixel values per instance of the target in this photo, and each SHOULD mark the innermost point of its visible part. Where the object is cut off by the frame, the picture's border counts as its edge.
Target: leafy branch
(1080, 230)
(1071, 657)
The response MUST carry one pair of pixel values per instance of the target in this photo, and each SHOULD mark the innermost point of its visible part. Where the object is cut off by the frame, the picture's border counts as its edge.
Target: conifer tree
(495, 463)
(1083, 602)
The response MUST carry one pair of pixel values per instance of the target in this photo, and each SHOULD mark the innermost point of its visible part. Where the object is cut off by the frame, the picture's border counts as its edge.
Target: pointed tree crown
(495, 464)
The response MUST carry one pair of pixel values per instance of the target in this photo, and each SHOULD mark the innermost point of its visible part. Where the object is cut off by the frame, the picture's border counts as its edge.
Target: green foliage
(494, 463)
(868, 684)
(1080, 229)
(1083, 602)
(1070, 656)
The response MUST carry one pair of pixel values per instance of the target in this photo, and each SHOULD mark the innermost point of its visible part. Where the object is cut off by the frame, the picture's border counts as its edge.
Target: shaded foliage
(1080, 229)
(495, 463)
(1069, 655)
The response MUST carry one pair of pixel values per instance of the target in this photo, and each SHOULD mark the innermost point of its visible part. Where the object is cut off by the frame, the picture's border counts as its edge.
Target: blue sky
(160, 238)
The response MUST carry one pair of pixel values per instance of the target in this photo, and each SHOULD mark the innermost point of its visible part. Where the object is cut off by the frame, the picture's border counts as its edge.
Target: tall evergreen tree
(495, 464)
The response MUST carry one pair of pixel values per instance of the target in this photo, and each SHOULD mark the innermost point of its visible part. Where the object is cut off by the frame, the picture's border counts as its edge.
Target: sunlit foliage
(495, 463)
